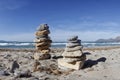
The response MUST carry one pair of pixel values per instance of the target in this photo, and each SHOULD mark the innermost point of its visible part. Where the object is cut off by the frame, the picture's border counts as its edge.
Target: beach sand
(102, 63)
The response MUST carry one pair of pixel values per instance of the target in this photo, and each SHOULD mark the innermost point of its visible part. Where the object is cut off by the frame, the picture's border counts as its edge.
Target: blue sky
(89, 19)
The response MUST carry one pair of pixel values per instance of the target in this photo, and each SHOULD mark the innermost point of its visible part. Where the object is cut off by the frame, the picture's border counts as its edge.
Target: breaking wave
(54, 44)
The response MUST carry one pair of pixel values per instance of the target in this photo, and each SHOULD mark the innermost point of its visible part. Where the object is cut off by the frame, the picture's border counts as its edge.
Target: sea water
(54, 44)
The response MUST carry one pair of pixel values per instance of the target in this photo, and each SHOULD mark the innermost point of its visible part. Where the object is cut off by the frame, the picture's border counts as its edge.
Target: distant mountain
(2, 41)
(117, 39)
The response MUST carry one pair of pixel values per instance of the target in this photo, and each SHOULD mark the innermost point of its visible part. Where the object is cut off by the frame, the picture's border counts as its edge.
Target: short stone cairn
(73, 57)
(43, 43)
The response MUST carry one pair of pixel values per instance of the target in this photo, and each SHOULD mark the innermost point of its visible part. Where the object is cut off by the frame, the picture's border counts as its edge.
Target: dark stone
(15, 65)
(73, 38)
(4, 73)
(45, 56)
(75, 41)
(43, 27)
(21, 74)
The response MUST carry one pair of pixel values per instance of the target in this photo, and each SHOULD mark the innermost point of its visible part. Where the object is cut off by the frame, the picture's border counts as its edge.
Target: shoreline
(58, 49)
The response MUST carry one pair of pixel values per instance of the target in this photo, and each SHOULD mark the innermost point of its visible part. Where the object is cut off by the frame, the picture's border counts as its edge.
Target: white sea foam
(56, 44)
(15, 44)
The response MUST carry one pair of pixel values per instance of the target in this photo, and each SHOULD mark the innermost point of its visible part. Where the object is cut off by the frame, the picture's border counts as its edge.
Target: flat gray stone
(73, 49)
(76, 53)
(70, 60)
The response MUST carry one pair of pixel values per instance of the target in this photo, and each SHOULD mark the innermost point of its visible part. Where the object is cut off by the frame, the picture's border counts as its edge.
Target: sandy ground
(102, 63)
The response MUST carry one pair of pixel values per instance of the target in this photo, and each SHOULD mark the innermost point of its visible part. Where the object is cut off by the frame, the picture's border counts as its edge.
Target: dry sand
(103, 63)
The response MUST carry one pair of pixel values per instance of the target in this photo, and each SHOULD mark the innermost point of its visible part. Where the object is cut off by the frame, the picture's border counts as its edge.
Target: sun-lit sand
(103, 63)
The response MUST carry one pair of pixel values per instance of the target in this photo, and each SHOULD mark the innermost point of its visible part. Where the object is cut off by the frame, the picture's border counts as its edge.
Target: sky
(88, 19)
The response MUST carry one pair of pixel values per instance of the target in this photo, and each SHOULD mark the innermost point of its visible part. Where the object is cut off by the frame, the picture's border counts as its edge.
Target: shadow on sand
(89, 63)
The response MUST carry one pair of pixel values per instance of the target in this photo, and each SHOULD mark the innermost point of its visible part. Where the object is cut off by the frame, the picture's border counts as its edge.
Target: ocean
(54, 44)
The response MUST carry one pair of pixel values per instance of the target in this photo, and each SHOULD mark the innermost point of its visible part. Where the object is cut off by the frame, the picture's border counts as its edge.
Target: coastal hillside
(117, 39)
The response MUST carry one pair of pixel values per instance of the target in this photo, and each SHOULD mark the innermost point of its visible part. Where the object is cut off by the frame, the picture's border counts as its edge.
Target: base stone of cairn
(43, 43)
(73, 57)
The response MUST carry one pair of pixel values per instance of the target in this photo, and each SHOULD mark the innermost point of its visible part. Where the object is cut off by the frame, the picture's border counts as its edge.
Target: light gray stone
(70, 60)
(73, 49)
(76, 53)
(77, 66)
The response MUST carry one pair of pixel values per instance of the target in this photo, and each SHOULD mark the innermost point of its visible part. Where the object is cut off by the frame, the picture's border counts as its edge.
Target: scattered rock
(19, 74)
(14, 66)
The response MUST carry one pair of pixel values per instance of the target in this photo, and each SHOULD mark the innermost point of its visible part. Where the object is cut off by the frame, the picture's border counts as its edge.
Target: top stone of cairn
(73, 38)
(43, 27)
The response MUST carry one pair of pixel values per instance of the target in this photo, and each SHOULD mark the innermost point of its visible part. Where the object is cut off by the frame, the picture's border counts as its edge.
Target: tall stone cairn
(43, 42)
(73, 57)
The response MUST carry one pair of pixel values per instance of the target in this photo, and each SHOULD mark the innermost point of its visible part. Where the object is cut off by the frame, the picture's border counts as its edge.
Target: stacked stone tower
(43, 42)
(73, 57)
